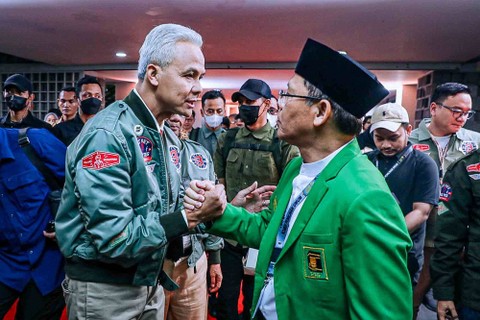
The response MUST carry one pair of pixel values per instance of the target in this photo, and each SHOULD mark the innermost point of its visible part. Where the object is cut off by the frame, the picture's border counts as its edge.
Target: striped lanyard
(282, 231)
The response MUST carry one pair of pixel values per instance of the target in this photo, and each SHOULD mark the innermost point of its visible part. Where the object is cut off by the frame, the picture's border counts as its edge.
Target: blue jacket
(25, 253)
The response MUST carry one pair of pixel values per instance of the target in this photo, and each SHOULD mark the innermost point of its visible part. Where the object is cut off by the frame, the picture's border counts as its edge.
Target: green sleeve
(375, 242)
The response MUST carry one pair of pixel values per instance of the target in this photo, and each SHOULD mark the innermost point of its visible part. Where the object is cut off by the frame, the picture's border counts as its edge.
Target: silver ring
(264, 202)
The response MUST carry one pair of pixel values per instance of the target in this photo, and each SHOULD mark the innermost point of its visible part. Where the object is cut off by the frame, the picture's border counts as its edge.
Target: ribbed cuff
(174, 225)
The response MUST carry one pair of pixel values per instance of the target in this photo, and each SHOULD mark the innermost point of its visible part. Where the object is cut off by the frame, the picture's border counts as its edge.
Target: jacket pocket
(28, 192)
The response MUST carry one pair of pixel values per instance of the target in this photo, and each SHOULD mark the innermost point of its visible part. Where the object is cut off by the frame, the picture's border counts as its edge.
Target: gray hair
(159, 45)
(345, 122)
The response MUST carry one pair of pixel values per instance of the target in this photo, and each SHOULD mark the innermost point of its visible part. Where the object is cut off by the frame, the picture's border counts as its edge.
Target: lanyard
(399, 161)
(282, 231)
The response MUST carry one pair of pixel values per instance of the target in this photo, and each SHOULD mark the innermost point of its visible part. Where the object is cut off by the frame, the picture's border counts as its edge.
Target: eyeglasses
(457, 112)
(283, 97)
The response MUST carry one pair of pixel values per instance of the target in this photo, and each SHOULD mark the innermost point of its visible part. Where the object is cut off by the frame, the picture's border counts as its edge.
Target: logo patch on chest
(146, 147)
(175, 156)
(99, 159)
(198, 160)
(468, 146)
(314, 264)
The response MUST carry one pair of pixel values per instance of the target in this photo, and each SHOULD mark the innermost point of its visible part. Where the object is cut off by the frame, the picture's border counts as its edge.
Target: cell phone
(50, 226)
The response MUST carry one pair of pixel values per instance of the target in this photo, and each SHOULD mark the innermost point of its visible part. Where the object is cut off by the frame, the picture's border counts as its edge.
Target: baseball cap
(347, 82)
(253, 89)
(19, 81)
(389, 116)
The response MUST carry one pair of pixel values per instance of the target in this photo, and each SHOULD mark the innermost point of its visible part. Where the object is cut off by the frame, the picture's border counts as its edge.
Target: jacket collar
(140, 110)
(262, 133)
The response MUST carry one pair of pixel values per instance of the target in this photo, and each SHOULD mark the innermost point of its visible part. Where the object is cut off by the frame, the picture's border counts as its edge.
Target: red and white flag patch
(421, 147)
(99, 159)
(474, 167)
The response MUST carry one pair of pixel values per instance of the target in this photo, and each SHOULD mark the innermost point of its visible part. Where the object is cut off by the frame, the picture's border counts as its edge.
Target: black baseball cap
(347, 82)
(19, 81)
(253, 89)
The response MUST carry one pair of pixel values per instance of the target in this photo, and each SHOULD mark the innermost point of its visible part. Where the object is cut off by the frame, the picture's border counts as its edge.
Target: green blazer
(346, 255)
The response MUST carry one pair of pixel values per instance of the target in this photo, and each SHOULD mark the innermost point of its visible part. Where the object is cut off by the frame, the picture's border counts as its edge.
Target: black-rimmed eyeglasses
(283, 97)
(457, 112)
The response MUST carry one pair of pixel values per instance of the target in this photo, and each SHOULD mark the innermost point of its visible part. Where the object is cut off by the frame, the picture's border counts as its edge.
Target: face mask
(272, 119)
(90, 105)
(213, 121)
(249, 114)
(16, 103)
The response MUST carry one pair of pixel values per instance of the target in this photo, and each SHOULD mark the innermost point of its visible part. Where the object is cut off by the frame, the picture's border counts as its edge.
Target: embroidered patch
(119, 238)
(475, 176)
(199, 160)
(99, 159)
(275, 204)
(150, 167)
(445, 192)
(421, 147)
(175, 156)
(474, 167)
(468, 146)
(146, 146)
(314, 264)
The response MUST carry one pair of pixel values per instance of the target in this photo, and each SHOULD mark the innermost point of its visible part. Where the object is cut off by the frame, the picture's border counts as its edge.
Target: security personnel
(444, 140)
(18, 95)
(455, 267)
(243, 156)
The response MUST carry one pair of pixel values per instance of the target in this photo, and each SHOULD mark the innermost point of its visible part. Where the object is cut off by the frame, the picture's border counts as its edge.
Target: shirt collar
(315, 168)
(262, 133)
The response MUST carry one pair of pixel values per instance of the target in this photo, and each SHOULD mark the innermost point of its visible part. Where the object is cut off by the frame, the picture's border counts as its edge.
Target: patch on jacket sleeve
(474, 167)
(445, 192)
(314, 264)
(421, 147)
(198, 160)
(119, 238)
(475, 176)
(100, 159)
(468, 146)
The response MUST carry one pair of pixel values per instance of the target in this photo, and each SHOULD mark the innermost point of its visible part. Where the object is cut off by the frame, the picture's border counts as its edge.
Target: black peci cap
(253, 89)
(341, 78)
(18, 81)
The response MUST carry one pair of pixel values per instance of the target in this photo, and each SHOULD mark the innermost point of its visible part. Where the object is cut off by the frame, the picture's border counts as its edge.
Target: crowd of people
(156, 216)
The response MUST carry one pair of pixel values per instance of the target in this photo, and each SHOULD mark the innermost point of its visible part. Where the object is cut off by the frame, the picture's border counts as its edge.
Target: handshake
(205, 201)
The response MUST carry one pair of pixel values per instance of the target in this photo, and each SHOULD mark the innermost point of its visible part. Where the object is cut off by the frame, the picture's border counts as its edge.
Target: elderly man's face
(179, 83)
(295, 118)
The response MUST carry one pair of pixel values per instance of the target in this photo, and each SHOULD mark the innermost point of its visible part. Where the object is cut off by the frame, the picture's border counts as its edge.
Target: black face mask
(90, 105)
(249, 114)
(16, 103)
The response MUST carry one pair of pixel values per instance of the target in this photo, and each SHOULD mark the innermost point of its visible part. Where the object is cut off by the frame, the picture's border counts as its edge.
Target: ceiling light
(121, 54)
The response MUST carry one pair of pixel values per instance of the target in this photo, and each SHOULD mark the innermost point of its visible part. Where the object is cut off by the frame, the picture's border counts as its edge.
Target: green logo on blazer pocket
(314, 264)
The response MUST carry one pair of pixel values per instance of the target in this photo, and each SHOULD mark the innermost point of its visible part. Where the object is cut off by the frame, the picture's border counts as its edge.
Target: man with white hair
(120, 203)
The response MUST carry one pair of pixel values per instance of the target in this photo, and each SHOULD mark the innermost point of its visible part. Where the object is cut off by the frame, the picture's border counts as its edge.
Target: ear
(323, 111)
(433, 108)
(151, 74)
(30, 99)
(201, 112)
(409, 129)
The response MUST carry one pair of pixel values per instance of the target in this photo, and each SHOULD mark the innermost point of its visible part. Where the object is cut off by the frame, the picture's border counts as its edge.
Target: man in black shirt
(90, 96)
(18, 96)
(412, 176)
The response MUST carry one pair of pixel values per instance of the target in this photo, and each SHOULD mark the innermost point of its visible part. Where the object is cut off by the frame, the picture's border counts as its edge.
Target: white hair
(159, 45)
